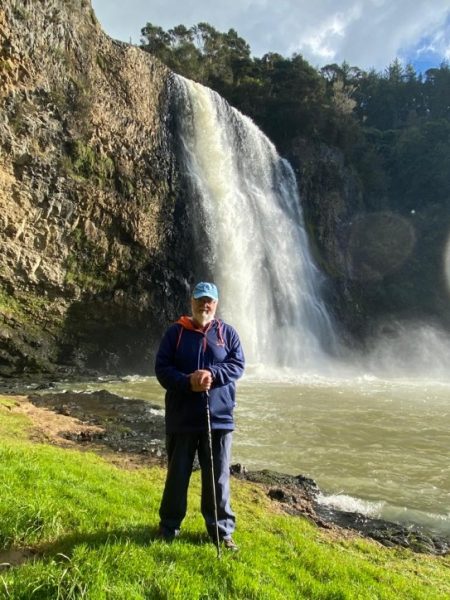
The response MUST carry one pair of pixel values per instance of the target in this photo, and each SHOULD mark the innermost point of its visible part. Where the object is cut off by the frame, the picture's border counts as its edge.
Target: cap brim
(201, 295)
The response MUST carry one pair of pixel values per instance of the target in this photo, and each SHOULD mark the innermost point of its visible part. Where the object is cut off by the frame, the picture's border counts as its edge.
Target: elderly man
(199, 355)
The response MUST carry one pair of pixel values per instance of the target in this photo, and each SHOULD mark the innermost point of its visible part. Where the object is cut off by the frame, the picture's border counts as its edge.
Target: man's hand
(201, 380)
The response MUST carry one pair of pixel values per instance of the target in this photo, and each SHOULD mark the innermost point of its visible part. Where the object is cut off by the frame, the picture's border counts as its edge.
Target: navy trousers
(181, 449)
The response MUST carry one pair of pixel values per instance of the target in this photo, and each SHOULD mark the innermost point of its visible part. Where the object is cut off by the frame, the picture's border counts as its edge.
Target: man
(199, 356)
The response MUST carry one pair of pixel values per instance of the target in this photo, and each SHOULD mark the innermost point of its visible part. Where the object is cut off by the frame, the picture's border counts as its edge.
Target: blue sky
(432, 48)
(365, 33)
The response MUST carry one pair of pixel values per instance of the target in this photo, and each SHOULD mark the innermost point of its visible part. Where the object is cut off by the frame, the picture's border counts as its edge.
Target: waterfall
(245, 212)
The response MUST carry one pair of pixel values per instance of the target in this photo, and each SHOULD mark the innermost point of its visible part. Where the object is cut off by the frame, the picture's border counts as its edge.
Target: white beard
(203, 317)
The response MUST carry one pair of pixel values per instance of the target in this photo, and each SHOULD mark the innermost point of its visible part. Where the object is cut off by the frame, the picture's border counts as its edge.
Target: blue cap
(205, 289)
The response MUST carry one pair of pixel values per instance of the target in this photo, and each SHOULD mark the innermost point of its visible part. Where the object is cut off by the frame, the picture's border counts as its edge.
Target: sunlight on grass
(12, 425)
(94, 527)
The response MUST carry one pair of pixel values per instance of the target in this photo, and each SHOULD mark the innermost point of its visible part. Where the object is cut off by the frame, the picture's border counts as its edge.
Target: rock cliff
(88, 244)
(332, 196)
(385, 266)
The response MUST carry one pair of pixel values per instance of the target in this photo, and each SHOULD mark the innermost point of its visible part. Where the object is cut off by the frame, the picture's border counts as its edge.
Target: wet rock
(281, 496)
(238, 469)
(304, 485)
(387, 533)
(299, 496)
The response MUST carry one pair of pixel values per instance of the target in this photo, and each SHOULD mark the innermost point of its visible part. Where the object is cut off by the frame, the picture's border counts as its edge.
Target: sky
(365, 33)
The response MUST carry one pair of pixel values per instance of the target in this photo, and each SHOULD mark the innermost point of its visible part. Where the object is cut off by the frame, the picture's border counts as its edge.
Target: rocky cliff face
(88, 241)
(384, 267)
(331, 196)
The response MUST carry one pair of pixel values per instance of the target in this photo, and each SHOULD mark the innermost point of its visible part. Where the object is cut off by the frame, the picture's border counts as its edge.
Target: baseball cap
(205, 289)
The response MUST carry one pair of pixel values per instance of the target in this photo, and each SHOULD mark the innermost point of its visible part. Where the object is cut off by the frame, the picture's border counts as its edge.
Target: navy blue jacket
(182, 351)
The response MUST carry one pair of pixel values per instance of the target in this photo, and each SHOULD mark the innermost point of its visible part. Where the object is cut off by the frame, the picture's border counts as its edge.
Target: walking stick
(213, 479)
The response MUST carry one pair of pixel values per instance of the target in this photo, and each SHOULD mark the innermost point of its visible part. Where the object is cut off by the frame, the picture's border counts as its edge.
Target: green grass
(93, 527)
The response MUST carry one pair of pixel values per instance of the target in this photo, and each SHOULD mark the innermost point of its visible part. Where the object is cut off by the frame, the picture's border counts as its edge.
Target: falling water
(245, 202)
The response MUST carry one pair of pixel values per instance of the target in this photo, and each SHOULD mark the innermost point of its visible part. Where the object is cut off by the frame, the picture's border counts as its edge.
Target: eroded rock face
(331, 197)
(88, 247)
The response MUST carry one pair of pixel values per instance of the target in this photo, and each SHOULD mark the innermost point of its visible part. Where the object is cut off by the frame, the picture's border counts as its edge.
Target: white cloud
(323, 40)
(362, 32)
(440, 39)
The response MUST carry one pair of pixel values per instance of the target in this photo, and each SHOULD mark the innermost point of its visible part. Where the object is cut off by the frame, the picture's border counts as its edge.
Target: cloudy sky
(365, 33)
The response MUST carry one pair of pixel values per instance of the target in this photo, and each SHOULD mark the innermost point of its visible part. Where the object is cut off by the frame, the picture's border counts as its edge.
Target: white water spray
(246, 197)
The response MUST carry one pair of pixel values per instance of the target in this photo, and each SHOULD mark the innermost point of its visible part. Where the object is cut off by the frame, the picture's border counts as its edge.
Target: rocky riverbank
(130, 433)
(130, 427)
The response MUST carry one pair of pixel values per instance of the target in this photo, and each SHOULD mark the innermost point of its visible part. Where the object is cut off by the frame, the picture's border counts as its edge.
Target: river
(377, 446)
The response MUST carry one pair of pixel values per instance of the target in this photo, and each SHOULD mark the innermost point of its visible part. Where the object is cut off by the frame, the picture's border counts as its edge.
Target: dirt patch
(48, 426)
(129, 432)
(15, 557)
(87, 421)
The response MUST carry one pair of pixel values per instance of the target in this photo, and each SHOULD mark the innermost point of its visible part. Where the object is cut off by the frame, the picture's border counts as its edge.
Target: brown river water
(376, 446)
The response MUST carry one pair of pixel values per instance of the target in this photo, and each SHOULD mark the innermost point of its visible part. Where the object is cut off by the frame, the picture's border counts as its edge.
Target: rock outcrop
(332, 196)
(88, 187)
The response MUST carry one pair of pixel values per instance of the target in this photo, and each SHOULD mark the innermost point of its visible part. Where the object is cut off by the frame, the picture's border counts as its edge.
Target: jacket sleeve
(232, 368)
(167, 374)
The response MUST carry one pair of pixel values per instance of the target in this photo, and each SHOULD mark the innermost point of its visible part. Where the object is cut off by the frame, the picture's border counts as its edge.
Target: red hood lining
(187, 323)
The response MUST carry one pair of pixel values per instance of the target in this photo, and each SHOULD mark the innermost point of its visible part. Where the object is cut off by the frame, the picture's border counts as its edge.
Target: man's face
(203, 310)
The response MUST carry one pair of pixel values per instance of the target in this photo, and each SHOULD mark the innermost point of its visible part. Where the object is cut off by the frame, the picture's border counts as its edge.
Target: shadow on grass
(64, 546)
(139, 535)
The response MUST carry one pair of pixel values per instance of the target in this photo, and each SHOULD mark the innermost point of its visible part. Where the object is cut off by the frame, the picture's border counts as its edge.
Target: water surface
(376, 446)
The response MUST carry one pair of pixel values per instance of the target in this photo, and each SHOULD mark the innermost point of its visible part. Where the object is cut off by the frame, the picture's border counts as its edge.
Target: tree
(155, 40)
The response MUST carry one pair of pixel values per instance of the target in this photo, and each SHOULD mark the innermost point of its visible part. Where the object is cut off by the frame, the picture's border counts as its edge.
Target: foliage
(93, 528)
(287, 97)
(280, 94)
(201, 52)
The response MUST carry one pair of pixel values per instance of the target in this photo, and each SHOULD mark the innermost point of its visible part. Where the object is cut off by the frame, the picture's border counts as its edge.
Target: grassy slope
(94, 527)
